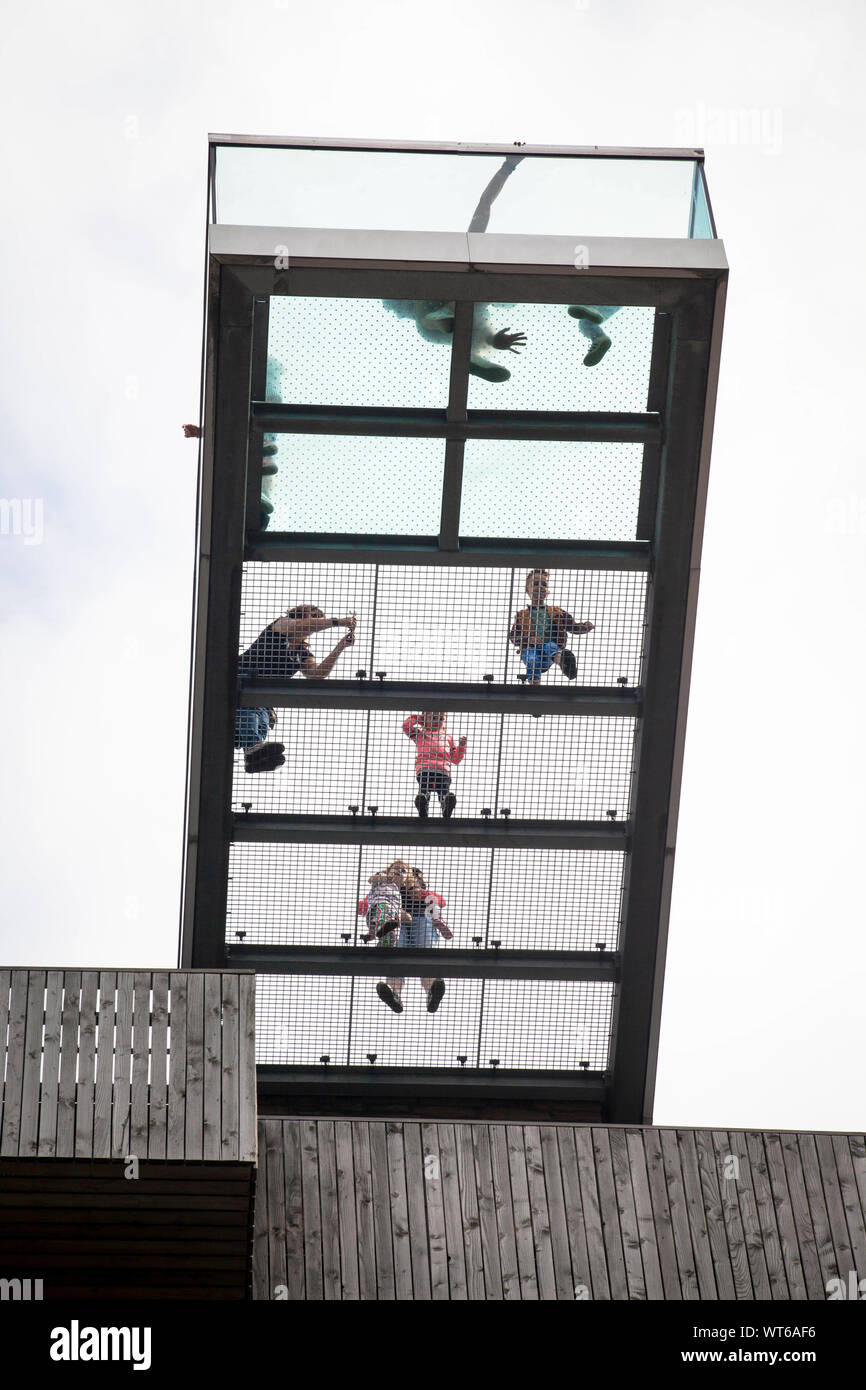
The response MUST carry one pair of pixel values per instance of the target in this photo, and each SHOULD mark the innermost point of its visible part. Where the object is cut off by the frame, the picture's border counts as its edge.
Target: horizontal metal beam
(321, 1080)
(495, 833)
(460, 147)
(606, 701)
(295, 546)
(615, 427)
(601, 966)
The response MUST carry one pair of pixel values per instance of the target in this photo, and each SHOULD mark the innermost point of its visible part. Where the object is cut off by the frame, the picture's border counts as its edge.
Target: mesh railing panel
(516, 1024)
(534, 900)
(435, 623)
(554, 767)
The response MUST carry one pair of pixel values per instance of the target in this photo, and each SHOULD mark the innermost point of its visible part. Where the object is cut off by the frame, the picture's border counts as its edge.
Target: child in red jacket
(435, 753)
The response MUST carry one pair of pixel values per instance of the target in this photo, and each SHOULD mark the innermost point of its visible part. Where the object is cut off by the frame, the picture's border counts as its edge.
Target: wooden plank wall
(128, 1132)
(350, 1209)
(113, 1063)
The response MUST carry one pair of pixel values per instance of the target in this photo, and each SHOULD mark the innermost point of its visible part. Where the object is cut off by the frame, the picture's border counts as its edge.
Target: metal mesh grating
(515, 1024)
(352, 352)
(576, 767)
(550, 490)
(557, 900)
(434, 623)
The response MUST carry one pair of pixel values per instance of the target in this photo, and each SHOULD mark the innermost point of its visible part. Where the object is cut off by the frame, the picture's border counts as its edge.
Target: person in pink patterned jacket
(435, 754)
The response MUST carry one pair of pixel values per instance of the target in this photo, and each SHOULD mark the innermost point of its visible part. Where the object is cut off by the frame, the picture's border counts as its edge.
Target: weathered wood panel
(553, 1212)
(108, 1080)
(89, 1071)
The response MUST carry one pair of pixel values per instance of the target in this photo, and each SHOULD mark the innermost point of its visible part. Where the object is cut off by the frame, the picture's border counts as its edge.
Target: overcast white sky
(107, 108)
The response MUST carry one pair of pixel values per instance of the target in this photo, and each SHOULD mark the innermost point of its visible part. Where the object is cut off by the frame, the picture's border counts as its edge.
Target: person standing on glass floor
(435, 754)
(540, 632)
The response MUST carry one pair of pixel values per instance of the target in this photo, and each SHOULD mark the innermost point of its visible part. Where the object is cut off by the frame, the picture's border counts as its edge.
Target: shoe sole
(582, 311)
(386, 928)
(568, 665)
(434, 998)
(596, 353)
(389, 997)
(421, 807)
(448, 806)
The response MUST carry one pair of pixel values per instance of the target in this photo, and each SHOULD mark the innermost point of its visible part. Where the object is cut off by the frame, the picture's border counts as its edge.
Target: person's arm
(410, 725)
(313, 671)
(516, 633)
(458, 751)
(296, 629)
(571, 624)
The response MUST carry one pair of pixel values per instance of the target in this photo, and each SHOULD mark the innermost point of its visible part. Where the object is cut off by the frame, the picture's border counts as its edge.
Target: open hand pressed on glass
(508, 341)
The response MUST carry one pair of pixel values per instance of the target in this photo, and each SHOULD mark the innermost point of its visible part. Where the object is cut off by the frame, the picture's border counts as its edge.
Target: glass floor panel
(527, 900)
(547, 490)
(565, 767)
(355, 483)
(441, 623)
(352, 352)
(548, 372)
(513, 1023)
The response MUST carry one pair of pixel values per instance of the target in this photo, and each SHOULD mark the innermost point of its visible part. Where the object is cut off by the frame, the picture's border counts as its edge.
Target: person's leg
(590, 320)
(447, 799)
(422, 800)
(567, 663)
(423, 935)
(531, 658)
(390, 990)
(251, 726)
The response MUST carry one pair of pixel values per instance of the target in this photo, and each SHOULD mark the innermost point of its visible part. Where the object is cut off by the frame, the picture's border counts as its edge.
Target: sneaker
(597, 351)
(394, 1002)
(421, 804)
(448, 803)
(269, 468)
(582, 311)
(488, 371)
(269, 450)
(568, 664)
(265, 757)
(386, 927)
(434, 995)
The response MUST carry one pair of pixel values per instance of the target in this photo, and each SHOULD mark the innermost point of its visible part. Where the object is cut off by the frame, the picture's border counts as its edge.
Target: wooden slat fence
(394, 1210)
(119, 1063)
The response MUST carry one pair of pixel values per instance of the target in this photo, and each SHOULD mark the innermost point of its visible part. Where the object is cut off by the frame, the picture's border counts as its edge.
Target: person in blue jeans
(280, 652)
(590, 318)
(425, 926)
(541, 630)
